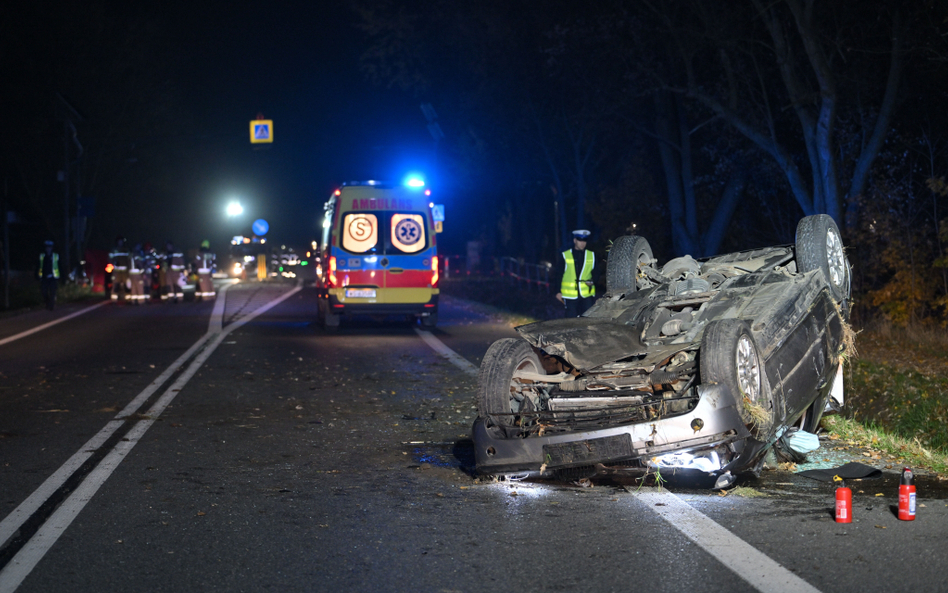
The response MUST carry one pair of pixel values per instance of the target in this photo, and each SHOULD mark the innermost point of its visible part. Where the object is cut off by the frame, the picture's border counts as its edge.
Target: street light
(234, 209)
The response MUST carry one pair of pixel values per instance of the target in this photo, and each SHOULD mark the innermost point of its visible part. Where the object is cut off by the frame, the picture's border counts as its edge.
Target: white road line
(750, 564)
(12, 522)
(51, 323)
(29, 556)
(439, 347)
(217, 316)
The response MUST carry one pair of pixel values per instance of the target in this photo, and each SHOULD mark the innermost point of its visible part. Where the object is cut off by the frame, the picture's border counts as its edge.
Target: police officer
(205, 268)
(578, 287)
(174, 273)
(48, 274)
(121, 262)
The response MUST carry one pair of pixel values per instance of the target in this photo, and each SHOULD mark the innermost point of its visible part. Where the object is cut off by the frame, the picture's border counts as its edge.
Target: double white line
(33, 551)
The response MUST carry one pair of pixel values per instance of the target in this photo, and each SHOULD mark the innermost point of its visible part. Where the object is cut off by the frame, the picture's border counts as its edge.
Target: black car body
(696, 365)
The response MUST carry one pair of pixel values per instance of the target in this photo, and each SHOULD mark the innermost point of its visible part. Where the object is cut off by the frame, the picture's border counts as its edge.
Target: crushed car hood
(585, 342)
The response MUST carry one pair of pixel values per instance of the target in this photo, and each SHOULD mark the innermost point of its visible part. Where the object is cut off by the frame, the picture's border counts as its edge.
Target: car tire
(625, 256)
(729, 356)
(430, 321)
(819, 246)
(498, 387)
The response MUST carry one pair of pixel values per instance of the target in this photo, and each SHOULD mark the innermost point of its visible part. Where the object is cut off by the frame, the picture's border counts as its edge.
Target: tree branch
(872, 148)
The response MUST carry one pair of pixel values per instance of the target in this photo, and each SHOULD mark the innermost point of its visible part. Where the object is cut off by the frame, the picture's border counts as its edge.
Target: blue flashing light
(415, 182)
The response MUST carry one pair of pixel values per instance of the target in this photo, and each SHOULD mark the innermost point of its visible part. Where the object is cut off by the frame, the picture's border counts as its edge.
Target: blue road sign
(261, 130)
(260, 227)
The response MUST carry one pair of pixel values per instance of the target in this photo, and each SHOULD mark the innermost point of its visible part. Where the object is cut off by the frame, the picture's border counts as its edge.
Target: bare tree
(784, 74)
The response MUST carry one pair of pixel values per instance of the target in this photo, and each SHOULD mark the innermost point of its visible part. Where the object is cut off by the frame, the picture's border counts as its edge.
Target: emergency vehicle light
(414, 182)
(434, 271)
(332, 270)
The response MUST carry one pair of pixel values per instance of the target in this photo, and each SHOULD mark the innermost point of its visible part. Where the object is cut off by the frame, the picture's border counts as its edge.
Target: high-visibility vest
(55, 264)
(120, 260)
(570, 288)
(175, 261)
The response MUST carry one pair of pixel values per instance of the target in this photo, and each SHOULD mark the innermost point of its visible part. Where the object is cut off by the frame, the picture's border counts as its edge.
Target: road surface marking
(439, 347)
(33, 551)
(217, 315)
(12, 522)
(50, 324)
(746, 561)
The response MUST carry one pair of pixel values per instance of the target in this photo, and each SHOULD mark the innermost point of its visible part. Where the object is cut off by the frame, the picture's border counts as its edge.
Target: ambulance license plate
(360, 293)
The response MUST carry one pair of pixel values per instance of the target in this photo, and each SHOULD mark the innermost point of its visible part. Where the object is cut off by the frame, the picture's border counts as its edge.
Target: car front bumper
(722, 443)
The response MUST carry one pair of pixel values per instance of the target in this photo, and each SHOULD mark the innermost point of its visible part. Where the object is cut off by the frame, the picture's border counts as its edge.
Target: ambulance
(379, 253)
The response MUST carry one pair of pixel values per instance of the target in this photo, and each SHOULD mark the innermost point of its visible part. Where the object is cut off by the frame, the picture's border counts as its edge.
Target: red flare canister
(907, 495)
(844, 501)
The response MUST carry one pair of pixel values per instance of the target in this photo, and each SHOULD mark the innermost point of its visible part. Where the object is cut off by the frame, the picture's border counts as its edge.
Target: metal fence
(528, 275)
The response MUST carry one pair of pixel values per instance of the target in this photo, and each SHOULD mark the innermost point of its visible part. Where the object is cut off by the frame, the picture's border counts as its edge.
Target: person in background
(174, 273)
(136, 275)
(206, 260)
(121, 262)
(48, 274)
(578, 286)
(153, 273)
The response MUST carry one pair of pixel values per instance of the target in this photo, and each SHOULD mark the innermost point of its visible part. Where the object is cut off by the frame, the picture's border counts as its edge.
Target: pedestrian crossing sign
(261, 130)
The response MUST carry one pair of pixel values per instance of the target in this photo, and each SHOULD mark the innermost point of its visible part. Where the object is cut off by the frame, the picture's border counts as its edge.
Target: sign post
(260, 228)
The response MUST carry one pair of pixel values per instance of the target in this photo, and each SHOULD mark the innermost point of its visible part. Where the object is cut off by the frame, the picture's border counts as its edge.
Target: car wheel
(730, 357)
(820, 247)
(430, 321)
(626, 256)
(501, 391)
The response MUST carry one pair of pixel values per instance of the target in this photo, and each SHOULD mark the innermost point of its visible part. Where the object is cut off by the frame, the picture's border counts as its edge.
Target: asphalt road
(146, 449)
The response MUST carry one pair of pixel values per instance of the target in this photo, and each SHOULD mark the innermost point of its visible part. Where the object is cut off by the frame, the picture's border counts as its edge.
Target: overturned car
(695, 365)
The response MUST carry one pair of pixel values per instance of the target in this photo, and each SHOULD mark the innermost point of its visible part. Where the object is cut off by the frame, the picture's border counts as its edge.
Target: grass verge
(26, 295)
(879, 443)
(897, 394)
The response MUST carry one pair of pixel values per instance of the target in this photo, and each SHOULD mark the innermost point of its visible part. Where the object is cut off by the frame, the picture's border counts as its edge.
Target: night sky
(297, 63)
(556, 115)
